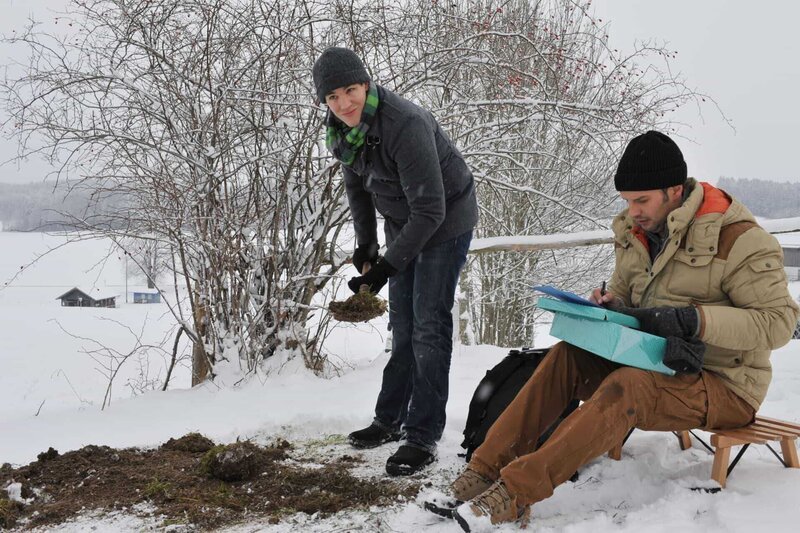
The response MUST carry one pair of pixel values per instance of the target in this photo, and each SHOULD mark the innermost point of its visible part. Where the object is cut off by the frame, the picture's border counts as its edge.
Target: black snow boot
(371, 437)
(408, 460)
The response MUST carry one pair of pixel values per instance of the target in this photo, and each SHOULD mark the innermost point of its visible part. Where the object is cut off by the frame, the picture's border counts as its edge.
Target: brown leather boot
(493, 506)
(469, 484)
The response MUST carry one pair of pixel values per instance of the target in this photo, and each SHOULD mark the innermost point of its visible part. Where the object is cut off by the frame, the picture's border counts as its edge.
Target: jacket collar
(704, 205)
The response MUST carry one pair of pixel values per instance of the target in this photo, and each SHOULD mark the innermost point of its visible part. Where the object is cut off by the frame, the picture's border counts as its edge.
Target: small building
(77, 298)
(791, 260)
(146, 298)
(790, 243)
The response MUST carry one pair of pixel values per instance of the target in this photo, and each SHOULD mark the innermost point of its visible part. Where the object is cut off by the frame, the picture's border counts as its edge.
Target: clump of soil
(49, 454)
(238, 461)
(360, 307)
(191, 442)
(172, 481)
(9, 511)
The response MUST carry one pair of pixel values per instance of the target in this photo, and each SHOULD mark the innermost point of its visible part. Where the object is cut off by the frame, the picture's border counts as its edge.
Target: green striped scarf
(344, 144)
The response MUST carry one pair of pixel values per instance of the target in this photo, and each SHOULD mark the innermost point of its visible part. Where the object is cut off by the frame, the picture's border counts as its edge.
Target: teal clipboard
(606, 333)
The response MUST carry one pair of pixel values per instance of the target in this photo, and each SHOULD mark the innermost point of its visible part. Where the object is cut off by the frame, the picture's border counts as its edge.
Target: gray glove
(684, 355)
(681, 322)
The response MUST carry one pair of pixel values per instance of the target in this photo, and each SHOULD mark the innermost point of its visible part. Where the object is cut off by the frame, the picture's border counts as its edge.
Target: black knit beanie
(335, 68)
(650, 161)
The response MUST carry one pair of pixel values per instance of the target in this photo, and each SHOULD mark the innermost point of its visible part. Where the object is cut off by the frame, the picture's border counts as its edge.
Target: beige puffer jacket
(721, 260)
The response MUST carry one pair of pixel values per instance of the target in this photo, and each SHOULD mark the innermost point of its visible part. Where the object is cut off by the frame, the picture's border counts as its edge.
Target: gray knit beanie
(335, 68)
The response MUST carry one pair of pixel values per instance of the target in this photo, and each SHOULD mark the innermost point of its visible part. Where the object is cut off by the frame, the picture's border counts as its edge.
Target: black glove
(684, 355)
(367, 253)
(376, 278)
(682, 322)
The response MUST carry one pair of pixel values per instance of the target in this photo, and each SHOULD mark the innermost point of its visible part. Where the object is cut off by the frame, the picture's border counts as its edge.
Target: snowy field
(51, 393)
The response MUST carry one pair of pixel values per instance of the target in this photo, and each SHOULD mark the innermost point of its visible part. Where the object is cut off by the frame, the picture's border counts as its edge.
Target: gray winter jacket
(414, 176)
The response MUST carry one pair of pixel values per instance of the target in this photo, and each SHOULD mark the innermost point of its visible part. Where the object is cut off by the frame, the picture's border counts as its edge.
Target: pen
(603, 289)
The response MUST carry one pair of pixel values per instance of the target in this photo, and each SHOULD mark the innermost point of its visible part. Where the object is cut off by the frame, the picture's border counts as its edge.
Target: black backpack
(496, 390)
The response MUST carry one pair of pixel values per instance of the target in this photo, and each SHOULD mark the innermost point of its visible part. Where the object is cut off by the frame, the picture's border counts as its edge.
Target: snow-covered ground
(51, 394)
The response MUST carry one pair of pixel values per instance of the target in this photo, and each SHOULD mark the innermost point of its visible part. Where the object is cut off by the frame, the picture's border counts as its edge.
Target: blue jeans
(415, 381)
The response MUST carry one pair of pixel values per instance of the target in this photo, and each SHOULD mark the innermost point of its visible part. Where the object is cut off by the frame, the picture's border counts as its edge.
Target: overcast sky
(744, 54)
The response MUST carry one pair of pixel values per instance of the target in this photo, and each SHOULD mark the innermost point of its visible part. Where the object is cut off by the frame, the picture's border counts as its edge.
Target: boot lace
(494, 501)
(470, 479)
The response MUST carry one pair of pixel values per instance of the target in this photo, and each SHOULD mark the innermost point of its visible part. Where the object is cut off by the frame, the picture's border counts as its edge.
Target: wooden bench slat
(742, 438)
(782, 423)
(766, 433)
(778, 432)
(722, 441)
(776, 427)
(752, 433)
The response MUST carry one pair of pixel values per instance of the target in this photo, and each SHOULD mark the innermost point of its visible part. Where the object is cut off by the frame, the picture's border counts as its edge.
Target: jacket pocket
(679, 400)
(725, 408)
(724, 358)
(765, 265)
(384, 186)
(767, 279)
(393, 207)
(690, 276)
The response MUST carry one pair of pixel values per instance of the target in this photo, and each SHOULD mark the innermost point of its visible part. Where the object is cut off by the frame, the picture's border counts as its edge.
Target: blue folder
(564, 296)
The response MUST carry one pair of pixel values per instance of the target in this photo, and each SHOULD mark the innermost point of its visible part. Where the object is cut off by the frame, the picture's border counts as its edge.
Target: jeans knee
(433, 332)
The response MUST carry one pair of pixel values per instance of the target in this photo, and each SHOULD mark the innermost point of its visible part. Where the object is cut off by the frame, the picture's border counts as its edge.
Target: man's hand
(375, 278)
(605, 298)
(684, 355)
(680, 322)
(367, 253)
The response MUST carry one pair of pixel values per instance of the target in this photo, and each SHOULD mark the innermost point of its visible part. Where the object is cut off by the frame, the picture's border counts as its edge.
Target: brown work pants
(616, 398)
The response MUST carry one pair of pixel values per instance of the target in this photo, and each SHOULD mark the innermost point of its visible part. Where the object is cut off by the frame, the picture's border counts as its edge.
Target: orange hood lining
(714, 201)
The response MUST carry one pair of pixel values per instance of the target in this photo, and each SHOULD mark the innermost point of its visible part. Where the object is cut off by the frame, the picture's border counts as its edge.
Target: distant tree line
(43, 206)
(765, 198)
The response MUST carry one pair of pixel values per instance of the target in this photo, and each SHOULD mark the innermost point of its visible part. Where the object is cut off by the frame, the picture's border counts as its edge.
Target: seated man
(694, 267)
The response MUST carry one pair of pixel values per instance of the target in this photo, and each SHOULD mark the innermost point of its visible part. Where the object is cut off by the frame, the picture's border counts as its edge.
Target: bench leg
(615, 452)
(685, 440)
(719, 470)
(790, 453)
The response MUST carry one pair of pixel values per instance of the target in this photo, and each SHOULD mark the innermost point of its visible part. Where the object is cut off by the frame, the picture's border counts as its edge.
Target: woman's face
(347, 103)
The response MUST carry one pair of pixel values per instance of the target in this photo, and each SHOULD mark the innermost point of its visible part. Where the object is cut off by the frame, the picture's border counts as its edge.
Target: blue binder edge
(564, 296)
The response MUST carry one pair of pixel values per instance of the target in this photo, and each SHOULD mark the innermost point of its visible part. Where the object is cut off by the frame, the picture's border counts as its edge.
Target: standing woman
(397, 161)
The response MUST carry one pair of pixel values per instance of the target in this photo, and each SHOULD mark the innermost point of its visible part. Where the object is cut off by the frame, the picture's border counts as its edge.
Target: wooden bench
(762, 431)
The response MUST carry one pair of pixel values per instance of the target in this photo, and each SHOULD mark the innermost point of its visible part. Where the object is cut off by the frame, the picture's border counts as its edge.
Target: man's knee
(625, 385)
(566, 354)
(627, 379)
